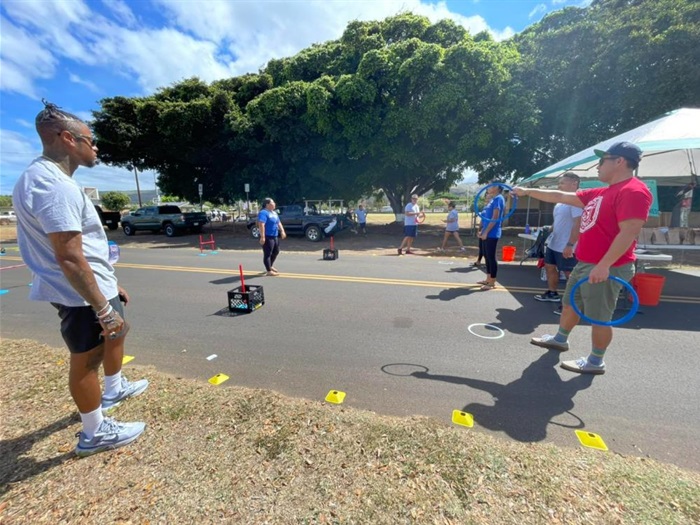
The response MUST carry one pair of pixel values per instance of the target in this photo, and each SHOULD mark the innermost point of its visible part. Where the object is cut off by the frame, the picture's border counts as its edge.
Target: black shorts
(80, 328)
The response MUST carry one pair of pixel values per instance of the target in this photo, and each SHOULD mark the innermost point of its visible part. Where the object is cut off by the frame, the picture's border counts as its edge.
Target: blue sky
(76, 52)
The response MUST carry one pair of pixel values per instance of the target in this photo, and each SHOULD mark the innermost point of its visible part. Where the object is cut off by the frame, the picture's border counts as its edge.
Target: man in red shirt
(612, 219)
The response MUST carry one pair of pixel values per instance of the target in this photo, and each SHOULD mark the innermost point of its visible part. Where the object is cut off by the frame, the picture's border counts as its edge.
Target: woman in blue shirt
(271, 231)
(490, 233)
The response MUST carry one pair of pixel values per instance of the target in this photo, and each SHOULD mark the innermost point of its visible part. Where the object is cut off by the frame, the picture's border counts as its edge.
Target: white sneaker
(582, 366)
(110, 435)
(547, 341)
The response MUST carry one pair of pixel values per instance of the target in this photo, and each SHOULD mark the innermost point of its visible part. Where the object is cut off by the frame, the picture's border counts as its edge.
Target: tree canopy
(405, 106)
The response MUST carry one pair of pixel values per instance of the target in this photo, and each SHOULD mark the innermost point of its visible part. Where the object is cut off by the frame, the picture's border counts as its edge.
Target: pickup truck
(167, 218)
(109, 218)
(313, 226)
(8, 217)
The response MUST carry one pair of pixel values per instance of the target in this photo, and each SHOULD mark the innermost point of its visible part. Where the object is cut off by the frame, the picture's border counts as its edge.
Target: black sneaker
(548, 296)
(558, 310)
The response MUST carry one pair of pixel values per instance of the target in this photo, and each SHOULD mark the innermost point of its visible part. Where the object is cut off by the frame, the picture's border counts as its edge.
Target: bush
(115, 201)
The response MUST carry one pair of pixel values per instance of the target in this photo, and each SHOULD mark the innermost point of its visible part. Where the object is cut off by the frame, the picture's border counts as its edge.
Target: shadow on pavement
(524, 408)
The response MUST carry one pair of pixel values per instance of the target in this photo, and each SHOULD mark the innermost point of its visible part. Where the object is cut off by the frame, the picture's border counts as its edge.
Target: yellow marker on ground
(127, 358)
(218, 379)
(591, 440)
(335, 396)
(464, 419)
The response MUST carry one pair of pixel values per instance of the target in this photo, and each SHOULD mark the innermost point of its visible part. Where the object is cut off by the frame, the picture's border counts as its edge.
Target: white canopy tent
(670, 152)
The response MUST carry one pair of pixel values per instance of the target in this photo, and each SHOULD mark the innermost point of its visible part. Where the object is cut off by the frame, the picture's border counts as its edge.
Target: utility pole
(138, 188)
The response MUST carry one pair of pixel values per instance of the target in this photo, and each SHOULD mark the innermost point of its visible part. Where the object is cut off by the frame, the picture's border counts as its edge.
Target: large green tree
(605, 69)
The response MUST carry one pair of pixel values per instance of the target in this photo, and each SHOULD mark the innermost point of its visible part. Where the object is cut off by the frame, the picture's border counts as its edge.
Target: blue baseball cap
(626, 150)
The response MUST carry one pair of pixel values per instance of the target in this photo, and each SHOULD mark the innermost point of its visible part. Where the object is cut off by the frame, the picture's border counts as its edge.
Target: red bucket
(508, 254)
(648, 287)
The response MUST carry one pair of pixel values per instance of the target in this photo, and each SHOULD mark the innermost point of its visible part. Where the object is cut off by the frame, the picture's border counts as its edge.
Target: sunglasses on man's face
(603, 159)
(87, 138)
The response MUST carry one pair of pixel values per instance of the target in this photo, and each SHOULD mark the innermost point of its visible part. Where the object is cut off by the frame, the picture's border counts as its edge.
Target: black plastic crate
(330, 255)
(248, 301)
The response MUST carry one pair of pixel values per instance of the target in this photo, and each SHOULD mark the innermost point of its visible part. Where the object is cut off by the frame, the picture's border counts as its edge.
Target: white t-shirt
(453, 216)
(410, 220)
(564, 216)
(47, 200)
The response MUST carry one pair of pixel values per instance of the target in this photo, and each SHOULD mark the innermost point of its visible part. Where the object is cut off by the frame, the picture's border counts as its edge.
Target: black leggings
(481, 250)
(271, 250)
(490, 256)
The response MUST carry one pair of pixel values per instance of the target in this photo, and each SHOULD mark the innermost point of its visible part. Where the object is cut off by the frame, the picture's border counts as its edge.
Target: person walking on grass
(451, 227)
(560, 244)
(612, 218)
(62, 241)
(361, 215)
(271, 231)
(410, 225)
(490, 234)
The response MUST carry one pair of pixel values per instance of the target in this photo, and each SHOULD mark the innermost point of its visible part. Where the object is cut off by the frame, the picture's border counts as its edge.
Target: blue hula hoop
(614, 322)
(482, 190)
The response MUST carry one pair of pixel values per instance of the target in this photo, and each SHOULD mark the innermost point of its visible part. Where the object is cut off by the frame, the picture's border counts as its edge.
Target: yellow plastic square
(335, 396)
(464, 419)
(127, 358)
(218, 379)
(591, 440)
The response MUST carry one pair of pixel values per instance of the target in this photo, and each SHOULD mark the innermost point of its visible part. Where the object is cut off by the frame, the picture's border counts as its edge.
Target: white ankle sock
(113, 385)
(91, 422)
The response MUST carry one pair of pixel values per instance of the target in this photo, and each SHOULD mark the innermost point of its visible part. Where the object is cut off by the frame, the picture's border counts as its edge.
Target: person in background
(490, 233)
(62, 241)
(410, 225)
(561, 241)
(612, 218)
(451, 227)
(271, 231)
(361, 215)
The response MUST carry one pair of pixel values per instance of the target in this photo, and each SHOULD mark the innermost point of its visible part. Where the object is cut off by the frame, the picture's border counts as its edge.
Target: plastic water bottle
(113, 252)
(527, 228)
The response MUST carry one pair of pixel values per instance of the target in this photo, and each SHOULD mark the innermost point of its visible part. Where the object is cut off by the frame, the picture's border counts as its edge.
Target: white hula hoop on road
(493, 327)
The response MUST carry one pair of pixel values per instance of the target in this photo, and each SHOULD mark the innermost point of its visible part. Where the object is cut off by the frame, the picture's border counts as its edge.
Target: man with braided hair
(62, 241)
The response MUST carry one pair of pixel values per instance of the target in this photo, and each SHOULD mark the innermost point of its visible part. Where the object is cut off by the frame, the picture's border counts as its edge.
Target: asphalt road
(393, 333)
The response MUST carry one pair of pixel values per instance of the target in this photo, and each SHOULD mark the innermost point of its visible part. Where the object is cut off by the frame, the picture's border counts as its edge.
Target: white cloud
(16, 152)
(87, 83)
(538, 10)
(121, 12)
(25, 123)
(211, 40)
(23, 60)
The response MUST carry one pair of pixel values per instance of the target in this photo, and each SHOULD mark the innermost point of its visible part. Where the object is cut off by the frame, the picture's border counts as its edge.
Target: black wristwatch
(570, 244)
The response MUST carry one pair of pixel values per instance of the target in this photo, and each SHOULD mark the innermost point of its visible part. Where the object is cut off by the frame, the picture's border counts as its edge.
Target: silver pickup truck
(167, 218)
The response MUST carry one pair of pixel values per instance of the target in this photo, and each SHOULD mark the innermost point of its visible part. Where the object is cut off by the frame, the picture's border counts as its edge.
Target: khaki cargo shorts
(597, 301)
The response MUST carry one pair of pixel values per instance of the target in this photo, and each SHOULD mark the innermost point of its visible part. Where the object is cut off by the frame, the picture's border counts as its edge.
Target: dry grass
(233, 455)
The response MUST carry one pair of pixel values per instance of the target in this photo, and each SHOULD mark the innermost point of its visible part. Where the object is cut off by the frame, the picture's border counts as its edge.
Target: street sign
(246, 187)
(201, 189)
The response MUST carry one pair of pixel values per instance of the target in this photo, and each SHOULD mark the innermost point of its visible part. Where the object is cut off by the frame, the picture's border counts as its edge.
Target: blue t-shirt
(497, 203)
(271, 221)
(361, 216)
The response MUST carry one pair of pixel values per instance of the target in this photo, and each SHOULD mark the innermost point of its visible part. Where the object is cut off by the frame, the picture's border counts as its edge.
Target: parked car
(8, 217)
(312, 226)
(386, 209)
(109, 218)
(168, 218)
